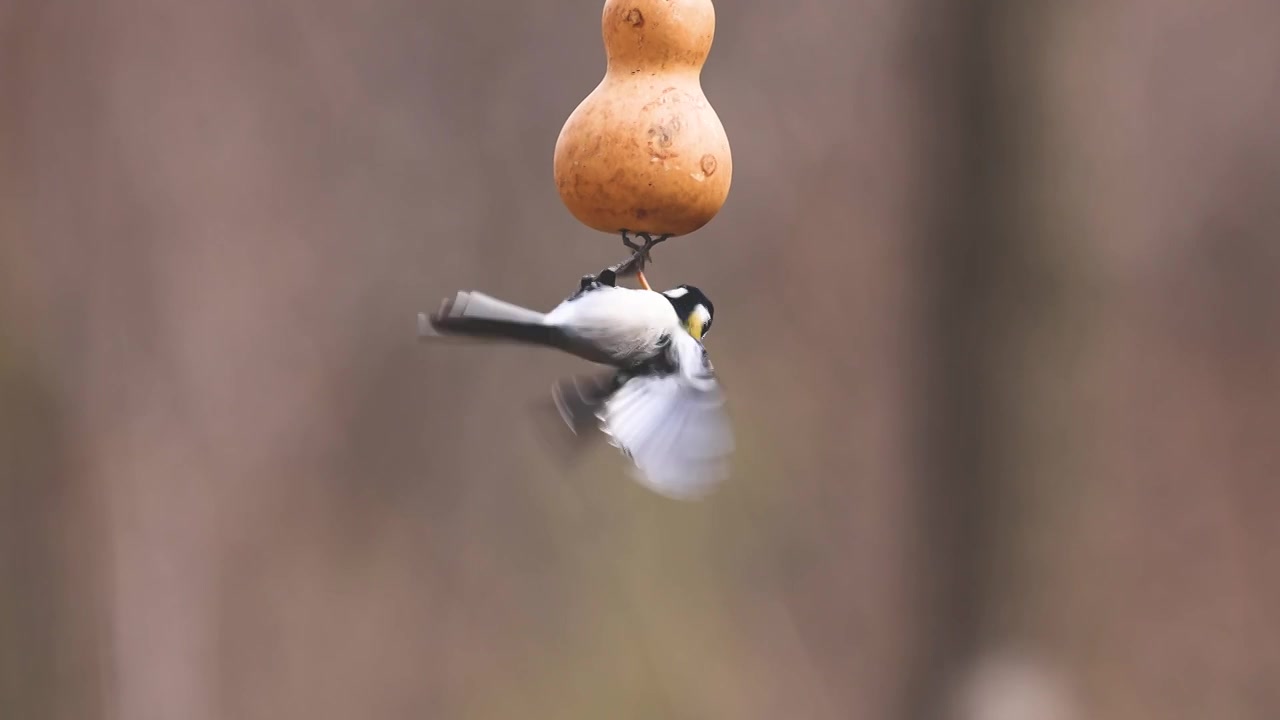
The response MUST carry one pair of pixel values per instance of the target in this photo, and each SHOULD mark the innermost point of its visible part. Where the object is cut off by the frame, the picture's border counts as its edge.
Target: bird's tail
(476, 315)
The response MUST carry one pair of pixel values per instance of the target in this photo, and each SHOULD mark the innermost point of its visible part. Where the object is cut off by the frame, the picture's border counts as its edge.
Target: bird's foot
(626, 240)
(640, 253)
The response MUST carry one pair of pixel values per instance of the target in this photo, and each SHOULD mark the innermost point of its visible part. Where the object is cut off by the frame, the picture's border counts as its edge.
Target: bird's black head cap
(694, 309)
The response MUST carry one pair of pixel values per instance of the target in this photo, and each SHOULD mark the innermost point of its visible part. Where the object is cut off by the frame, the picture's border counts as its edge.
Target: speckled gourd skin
(645, 151)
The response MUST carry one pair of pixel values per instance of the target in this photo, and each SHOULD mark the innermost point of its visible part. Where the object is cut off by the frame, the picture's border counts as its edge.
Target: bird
(659, 401)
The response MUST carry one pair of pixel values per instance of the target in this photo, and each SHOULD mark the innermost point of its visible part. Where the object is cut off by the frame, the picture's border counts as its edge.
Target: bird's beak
(694, 326)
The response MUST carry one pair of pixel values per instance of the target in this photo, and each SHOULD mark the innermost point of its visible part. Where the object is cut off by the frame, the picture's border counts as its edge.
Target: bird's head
(693, 308)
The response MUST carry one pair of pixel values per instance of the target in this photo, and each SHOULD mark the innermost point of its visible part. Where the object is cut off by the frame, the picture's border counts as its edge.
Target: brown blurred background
(998, 288)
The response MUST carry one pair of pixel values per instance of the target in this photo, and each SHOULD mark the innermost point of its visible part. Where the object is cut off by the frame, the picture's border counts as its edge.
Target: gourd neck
(625, 68)
(658, 36)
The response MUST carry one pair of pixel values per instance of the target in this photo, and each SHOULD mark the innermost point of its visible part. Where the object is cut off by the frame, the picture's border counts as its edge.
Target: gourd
(645, 151)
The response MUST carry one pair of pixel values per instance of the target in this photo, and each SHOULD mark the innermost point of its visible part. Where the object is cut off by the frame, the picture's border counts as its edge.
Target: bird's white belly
(624, 323)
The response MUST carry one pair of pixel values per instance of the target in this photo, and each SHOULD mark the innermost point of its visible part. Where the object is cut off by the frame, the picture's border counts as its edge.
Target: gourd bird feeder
(645, 152)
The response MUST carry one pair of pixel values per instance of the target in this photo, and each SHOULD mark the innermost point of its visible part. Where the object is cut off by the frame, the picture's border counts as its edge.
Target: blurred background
(998, 288)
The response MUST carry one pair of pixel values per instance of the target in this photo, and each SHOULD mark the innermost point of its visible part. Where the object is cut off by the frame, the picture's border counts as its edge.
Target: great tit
(660, 403)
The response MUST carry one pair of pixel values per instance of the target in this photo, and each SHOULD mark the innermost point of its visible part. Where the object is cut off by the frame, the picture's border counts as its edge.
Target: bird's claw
(640, 254)
(626, 240)
(642, 251)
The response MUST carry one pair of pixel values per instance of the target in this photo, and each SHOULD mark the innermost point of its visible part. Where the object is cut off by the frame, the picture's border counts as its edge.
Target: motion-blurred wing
(578, 399)
(673, 426)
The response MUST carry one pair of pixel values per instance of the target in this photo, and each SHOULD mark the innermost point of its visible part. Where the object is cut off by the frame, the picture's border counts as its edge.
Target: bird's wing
(574, 400)
(673, 426)
(579, 397)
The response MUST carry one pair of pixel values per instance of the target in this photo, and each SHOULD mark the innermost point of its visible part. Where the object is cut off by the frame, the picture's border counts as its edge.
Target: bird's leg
(631, 265)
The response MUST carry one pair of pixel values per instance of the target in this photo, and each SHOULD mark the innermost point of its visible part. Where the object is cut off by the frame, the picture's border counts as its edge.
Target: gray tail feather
(476, 315)
(479, 306)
